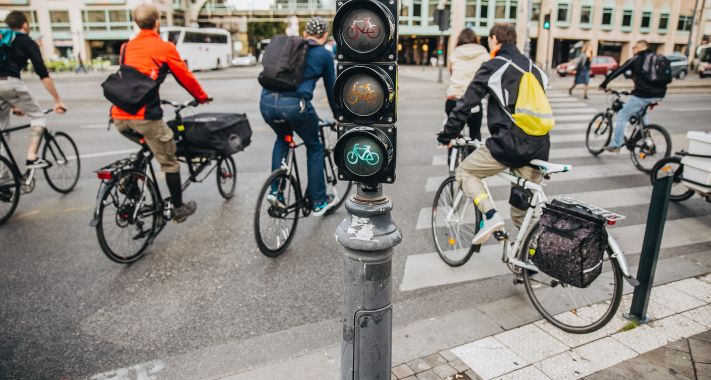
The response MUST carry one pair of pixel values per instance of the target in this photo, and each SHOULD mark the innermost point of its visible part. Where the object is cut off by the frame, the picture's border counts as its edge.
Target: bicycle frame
(45, 138)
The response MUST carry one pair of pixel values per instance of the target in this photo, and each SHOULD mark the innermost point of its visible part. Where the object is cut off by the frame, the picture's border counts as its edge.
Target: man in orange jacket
(152, 56)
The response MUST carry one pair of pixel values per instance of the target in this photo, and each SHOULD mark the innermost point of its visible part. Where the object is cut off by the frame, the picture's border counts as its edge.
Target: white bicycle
(455, 221)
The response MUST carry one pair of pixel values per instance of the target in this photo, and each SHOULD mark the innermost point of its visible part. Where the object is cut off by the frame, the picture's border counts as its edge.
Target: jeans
(287, 115)
(632, 106)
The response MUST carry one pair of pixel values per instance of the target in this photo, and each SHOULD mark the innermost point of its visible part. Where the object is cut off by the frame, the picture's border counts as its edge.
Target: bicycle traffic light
(366, 30)
(547, 21)
(366, 154)
(365, 93)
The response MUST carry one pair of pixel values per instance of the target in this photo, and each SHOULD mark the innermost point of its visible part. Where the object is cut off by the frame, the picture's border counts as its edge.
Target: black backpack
(656, 69)
(284, 62)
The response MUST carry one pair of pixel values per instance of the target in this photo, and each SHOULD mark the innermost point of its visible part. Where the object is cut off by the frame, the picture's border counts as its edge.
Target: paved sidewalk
(661, 348)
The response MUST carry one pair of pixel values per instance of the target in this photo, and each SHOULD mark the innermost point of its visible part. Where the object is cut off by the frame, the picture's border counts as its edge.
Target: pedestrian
(80, 68)
(287, 112)
(647, 89)
(148, 53)
(14, 94)
(466, 60)
(582, 69)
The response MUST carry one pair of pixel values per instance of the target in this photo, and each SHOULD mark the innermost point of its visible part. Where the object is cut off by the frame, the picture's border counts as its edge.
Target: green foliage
(257, 31)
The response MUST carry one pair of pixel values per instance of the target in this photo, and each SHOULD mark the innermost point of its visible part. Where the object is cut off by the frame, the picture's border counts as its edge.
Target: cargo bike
(130, 209)
(691, 169)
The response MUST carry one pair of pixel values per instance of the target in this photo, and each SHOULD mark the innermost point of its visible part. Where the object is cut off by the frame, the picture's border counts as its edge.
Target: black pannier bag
(571, 244)
(225, 133)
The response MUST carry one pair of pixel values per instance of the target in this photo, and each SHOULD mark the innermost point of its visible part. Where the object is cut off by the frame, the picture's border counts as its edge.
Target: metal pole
(691, 31)
(440, 47)
(368, 235)
(527, 48)
(650, 249)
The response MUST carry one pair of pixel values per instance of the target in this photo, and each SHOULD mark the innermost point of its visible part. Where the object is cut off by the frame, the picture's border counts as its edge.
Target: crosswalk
(627, 188)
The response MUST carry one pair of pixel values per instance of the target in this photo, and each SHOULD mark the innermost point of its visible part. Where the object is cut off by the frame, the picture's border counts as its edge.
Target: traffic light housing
(366, 93)
(547, 21)
(366, 154)
(366, 31)
(442, 18)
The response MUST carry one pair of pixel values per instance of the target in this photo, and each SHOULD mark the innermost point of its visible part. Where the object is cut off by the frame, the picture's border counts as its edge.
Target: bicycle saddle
(550, 167)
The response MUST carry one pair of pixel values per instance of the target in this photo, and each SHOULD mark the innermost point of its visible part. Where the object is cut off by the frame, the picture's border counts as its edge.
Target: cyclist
(289, 112)
(643, 94)
(14, 94)
(152, 56)
(508, 146)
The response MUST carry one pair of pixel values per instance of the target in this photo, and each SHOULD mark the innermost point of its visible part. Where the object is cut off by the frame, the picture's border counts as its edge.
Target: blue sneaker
(322, 207)
(276, 199)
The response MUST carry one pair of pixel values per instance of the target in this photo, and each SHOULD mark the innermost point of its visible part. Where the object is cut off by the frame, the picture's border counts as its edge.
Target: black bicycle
(62, 173)
(131, 211)
(281, 200)
(648, 143)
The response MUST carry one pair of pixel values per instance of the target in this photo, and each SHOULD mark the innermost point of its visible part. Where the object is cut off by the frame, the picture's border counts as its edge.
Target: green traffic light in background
(547, 21)
(546, 25)
(439, 51)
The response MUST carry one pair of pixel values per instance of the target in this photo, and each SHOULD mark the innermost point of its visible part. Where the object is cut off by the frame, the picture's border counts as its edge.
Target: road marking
(93, 126)
(104, 154)
(576, 117)
(555, 105)
(690, 109)
(556, 154)
(587, 111)
(143, 371)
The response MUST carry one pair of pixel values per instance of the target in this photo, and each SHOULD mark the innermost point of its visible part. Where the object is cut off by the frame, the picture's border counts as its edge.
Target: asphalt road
(66, 311)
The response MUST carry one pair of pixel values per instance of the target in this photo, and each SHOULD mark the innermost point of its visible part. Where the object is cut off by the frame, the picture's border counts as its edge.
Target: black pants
(474, 121)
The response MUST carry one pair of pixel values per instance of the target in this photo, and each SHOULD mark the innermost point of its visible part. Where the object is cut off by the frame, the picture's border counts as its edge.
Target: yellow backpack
(532, 113)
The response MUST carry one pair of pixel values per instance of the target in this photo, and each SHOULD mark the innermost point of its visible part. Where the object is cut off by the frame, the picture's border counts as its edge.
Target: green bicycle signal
(364, 154)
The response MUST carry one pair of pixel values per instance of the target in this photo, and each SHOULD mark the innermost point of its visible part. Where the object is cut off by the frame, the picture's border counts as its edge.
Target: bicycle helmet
(316, 26)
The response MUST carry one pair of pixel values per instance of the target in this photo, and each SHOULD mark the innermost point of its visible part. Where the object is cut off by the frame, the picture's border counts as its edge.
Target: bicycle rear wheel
(679, 192)
(62, 153)
(9, 190)
(226, 175)
(599, 133)
(571, 309)
(653, 145)
(454, 226)
(277, 213)
(129, 213)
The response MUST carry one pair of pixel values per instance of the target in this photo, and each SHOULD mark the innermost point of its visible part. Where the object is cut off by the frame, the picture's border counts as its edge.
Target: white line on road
(690, 109)
(583, 111)
(93, 126)
(104, 154)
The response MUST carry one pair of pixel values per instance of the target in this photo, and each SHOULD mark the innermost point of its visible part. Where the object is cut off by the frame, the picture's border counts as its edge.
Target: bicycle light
(105, 175)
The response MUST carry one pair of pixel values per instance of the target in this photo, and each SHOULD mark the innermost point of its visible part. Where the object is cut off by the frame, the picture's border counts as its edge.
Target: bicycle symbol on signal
(363, 26)
(362, 92)
(364, 154)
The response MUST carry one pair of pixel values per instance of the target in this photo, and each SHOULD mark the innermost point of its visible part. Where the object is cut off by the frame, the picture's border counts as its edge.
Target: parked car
(679, 65)
(247, 60)
(600, 65)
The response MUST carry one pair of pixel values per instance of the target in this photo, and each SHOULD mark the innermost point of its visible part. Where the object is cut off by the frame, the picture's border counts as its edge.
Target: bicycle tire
(606, 118)
(154, 213)
(9, 192)
(634, 155)
(462, 247)
(226, 176)
(278, 250)
(550, 316)
(52, 153)
(677, 178)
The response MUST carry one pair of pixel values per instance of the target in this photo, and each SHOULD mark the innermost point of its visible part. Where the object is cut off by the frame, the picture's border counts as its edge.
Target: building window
(177, 4)
(405, 12)
(500, 10)
(32, 18)
(417, 12)
(646, 21)
(684, 23)
(484, 13)
(107, 20)
(607, 18)
(586, 15)
(513, 7)
(536, 12)
(563, 13)
(60, 21)
(627, 20)
(470, 11)
(663, 22)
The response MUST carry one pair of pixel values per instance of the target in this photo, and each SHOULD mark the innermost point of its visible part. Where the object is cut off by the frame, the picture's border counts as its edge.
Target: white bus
(201, 48)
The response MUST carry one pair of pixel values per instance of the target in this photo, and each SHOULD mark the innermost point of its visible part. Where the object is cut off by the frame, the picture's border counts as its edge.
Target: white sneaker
(39, 163)
(488, 227)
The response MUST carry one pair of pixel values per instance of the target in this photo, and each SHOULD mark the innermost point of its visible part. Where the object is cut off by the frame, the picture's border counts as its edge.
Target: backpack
(7, 37)
(656, 69)
(284, 62)
(128, 88)
(532, 112)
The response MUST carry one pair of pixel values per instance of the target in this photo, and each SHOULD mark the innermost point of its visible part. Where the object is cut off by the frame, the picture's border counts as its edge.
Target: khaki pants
(482, 164)
(159, 139)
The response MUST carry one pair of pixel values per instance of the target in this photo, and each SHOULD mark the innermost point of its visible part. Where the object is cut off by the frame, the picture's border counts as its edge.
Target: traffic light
(547, 21)
(442, 19)
(366, 90)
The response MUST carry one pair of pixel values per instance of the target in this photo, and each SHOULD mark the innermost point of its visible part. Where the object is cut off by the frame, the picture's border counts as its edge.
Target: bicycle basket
(571, 244)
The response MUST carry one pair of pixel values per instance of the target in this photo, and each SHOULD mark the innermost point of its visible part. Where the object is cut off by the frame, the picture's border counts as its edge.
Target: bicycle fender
(103, 188)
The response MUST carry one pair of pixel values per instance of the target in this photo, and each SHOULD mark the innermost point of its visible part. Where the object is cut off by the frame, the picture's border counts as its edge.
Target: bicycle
(282, 217)
(62, 174)
(130, 209)
(645, 143)
(455, 221)
(368, 28)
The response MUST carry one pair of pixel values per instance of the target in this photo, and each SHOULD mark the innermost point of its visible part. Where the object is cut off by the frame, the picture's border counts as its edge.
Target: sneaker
(39, 163)
(613, 149)
(488, 227)
(5, 195)
(322, 207)
(276, 199)
(182, 213)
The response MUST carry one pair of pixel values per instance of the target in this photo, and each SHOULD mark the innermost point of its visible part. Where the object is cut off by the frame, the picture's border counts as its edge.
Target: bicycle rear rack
(611, 217)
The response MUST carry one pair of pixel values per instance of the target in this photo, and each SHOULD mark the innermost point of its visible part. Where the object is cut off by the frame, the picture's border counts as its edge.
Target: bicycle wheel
(226, 176)
(599, 133)
(454, 227)
(9, 190)
(275, 220)
(651, 146)
(571, 309)
(679, 192)
(128, 216)
(63, 154)
(341, 189)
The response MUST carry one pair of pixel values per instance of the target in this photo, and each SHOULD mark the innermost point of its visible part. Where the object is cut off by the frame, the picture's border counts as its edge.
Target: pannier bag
(284, 62)
(225, 133)
(571, 244)
(128, 88)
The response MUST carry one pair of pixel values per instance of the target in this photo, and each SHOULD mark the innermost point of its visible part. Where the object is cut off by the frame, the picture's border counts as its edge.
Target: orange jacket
(149, 54)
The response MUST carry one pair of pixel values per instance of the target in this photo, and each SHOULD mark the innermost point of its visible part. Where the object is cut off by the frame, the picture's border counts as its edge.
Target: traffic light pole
(440, 49)
(368, 235)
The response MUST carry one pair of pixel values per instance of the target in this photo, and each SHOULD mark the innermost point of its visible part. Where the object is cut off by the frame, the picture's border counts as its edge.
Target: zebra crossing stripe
(556, 154)
(556, 105)
(582, 111)
(574, 117)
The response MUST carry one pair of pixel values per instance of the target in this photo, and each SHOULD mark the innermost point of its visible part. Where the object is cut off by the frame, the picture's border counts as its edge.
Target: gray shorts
(15, 94)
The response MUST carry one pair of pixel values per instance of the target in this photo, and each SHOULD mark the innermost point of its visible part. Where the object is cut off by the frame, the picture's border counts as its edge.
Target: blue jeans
(632, 106)
(287, 115)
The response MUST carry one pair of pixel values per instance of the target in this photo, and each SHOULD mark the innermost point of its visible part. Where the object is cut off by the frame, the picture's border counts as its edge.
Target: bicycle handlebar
(185, 104)
(466, 141)
(618, 93)
(323, 123)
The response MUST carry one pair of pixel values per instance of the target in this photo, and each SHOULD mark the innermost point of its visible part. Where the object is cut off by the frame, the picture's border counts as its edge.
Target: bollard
(368, 235)
(650, 249)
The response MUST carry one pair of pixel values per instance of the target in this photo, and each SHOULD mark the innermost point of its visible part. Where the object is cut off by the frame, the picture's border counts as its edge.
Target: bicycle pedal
(501, 235)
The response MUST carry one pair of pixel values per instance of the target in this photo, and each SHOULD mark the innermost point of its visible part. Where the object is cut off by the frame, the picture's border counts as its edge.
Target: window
(536, 12)
(417, 12)
(484, 13)
(107, 20)
(684, 23)
(586, 15)
(470, 10)
(646, 21)
(500, 10)
(32, 18)
(513, 7)
(663, 21)
(627, 20)
(607, 17)
(563, 11)
(60, 21)
(405, 12)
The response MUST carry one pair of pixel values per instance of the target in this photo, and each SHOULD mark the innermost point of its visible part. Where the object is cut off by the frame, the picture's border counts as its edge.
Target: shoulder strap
(512, 63)
(122, 56)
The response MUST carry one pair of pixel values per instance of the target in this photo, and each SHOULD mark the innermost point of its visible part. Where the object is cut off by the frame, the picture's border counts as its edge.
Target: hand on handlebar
(60, 108)
(18, 112)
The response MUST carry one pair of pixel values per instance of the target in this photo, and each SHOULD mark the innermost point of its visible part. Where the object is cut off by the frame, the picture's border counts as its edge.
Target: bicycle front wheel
(662, 168)
(226, 176)
(571, 309)
(9, 190)
(652, 145)
(63, 155)
(129, 213)
(599, 133)
(277, 213)
(455, 221)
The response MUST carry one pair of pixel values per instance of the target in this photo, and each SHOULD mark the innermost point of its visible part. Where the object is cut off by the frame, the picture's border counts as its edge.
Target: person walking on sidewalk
(509, 146)
(152, 56)
(14, 94)
(582, 69)
(645, 90)
(466, 60)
